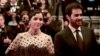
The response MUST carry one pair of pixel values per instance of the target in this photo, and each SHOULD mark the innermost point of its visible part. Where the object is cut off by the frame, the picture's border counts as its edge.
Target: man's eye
(81, 14)
(76, 15)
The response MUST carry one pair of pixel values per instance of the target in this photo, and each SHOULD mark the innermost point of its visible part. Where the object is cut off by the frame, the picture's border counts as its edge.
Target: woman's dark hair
(71, 6)
(34, 12)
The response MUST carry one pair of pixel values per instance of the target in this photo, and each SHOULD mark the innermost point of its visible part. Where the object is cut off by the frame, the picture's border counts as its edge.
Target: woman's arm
(14, 44)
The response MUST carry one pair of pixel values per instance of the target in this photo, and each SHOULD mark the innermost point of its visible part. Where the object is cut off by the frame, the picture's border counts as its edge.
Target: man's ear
(67, 16)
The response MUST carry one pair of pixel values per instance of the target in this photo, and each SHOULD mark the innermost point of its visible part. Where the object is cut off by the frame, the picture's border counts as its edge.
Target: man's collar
(73, 29)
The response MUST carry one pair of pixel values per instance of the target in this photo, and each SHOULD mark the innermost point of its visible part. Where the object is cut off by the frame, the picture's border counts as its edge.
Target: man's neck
(76, 27)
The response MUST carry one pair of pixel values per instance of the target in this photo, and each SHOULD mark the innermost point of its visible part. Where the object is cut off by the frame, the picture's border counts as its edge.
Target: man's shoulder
(86, 28)
(62, 32)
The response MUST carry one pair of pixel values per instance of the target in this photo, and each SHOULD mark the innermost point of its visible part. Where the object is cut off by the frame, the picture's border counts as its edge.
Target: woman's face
(36, 21)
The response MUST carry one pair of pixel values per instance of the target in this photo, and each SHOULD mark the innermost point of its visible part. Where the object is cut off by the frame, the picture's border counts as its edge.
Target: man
(15, 6)
(13, 10)
(75, 40)
(63, 4)
(2, 6)
(5, 36)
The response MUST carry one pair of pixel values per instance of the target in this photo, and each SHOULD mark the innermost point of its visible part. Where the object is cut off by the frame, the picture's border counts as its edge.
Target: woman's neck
(34, 31)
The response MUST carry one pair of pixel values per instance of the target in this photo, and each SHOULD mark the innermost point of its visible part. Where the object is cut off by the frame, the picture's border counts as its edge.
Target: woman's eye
(40, 19)
(35, 18)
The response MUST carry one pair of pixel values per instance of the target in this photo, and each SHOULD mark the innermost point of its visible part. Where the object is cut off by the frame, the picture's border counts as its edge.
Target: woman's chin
(36, 28)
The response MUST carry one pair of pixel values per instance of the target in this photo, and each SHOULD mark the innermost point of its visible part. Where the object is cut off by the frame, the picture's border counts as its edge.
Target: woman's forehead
(38, 15)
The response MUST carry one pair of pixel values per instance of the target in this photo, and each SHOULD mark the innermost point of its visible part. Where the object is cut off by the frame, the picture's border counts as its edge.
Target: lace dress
(26, 44)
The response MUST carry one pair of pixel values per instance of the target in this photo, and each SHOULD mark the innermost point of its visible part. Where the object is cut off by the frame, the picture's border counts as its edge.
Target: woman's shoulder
(46, 36)
(22, 34)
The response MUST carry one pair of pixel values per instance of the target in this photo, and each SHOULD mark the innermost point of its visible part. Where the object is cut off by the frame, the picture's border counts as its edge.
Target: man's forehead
(76, 11)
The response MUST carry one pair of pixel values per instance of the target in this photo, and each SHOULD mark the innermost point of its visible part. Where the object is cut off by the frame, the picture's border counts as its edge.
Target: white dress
(26, 44)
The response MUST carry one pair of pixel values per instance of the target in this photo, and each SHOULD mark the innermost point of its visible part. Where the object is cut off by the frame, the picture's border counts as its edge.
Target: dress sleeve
(50, 46)
(13, 46)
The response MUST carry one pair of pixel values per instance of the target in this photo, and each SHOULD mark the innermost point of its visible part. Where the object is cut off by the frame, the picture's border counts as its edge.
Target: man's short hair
(71, 6)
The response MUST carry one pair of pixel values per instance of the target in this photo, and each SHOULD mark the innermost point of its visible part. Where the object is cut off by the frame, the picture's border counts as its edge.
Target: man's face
(76, 18)
(1, 21)
(13, 1)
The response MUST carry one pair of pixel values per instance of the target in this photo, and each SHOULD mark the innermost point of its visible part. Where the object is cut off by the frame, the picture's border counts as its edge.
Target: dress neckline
(35, 34)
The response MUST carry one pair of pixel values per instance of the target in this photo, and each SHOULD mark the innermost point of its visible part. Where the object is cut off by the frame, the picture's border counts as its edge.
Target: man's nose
(79, 17)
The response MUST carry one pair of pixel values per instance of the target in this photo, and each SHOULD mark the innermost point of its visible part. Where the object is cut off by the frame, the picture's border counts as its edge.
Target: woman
(33, 42)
